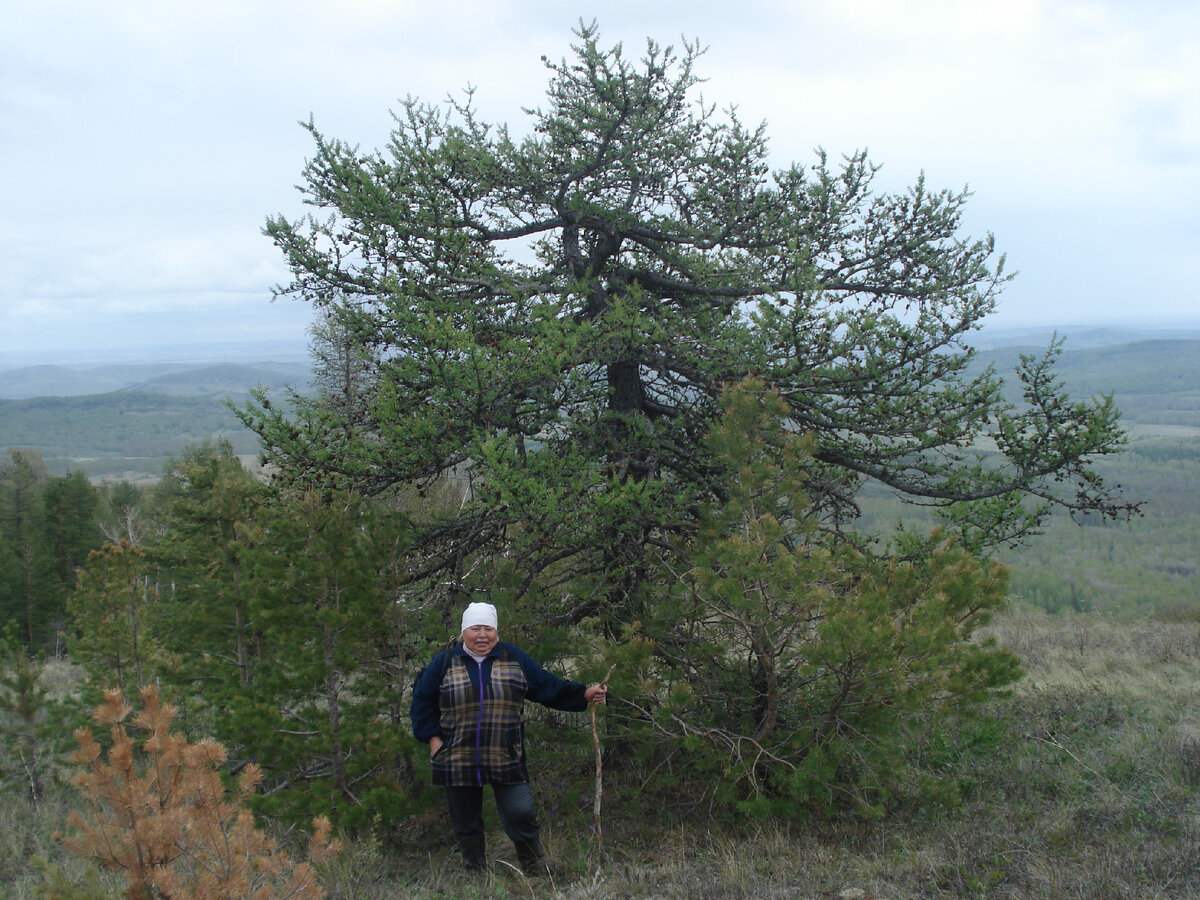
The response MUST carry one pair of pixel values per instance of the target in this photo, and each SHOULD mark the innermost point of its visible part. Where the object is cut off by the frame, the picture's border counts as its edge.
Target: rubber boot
(532, 857)
(474, 853)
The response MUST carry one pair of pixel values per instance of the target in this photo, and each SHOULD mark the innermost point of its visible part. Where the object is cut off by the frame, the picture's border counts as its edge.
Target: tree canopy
(543, 320)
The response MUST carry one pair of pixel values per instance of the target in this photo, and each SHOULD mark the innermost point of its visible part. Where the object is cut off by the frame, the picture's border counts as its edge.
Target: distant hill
(225, 380)
(67, 381)
(174, 379)
(124, 420)
(1082, 337)
(1152, 381)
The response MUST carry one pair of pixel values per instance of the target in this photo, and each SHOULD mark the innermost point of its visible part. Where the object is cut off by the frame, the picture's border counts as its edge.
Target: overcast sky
(142, 144)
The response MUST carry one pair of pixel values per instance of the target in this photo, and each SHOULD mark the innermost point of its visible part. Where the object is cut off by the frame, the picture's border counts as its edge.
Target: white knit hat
(479, 614)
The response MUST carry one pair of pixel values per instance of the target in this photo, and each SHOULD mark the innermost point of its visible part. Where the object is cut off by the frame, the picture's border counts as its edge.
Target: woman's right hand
(435, 744)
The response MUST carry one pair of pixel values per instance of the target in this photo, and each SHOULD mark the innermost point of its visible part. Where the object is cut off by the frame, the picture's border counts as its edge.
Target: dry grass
(1081, 784)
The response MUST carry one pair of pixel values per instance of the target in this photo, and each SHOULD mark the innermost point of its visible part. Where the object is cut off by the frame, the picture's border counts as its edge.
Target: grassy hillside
(1080, 785)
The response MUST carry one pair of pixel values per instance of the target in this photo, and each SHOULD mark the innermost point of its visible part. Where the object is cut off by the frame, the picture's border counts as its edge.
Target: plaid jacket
(476, 708)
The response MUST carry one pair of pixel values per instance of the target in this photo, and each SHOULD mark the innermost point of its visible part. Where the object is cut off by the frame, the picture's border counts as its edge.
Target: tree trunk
(766, 686)
(334, 709)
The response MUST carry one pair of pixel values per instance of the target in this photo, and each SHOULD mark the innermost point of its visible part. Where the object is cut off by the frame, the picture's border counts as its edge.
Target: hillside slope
(1152, 382)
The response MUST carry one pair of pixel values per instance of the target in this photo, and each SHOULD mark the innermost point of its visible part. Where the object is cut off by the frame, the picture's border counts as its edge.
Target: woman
(467, 704)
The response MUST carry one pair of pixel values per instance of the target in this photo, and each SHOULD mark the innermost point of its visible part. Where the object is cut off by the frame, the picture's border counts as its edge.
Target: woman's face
(480, 639)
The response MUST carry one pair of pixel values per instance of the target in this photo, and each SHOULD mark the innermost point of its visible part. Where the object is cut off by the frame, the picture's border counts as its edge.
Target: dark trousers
(514, 801)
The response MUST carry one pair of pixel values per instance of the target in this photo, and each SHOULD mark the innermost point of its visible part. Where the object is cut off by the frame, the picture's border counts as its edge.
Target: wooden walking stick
(599, 775)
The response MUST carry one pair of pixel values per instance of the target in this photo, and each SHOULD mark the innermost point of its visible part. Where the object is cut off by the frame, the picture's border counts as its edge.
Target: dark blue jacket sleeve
(425, 713)
(547, 689)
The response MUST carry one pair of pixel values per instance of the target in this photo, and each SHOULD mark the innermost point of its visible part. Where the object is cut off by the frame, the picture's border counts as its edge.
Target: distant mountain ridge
(1086, 337)
(173, 379)
(124, 420)
(230, 379)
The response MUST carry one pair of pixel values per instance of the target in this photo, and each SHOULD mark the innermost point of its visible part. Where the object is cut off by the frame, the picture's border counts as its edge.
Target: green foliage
(28, 572)
(549, 321)
(321, 712)
(47, 528)
(281, 636)
(111, 609)
(793, 667)
(23, 705)
(212, 540)
(126, 512)
(70, 508)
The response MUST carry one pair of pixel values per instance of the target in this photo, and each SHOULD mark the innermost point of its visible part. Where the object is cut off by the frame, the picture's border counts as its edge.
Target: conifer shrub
(159, 811)
(789, 670)
(23, 702)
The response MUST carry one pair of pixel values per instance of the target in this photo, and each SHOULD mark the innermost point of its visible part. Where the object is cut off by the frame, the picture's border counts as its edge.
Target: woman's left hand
(596, 693)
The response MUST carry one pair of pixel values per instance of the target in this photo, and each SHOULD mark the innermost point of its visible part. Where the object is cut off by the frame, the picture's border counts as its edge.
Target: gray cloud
(145, 143)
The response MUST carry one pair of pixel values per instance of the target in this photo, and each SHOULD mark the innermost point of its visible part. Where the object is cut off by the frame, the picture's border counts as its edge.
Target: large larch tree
(542, 321)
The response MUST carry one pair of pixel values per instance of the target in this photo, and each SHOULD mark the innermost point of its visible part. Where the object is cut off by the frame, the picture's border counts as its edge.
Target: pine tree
(792, 663)
(23, 706)
(322, 714)
(161, 814)
(71, 505)
(112, 610)
(31, 592)
(205, 561)
(284, 637)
